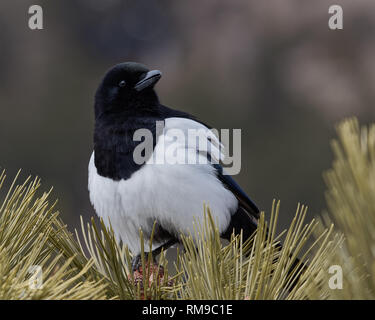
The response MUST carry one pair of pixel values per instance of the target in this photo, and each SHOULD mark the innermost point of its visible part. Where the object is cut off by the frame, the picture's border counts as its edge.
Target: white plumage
(174, 194)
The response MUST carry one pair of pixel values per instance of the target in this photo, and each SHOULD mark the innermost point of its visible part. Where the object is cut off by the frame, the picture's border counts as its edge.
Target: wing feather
(213, 149)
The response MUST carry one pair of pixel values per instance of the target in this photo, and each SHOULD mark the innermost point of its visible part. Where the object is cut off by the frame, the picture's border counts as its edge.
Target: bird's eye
(122, 83)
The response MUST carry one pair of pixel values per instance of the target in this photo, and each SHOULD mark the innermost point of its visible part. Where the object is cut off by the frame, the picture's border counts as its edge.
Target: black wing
(241, 196)
(247, 214)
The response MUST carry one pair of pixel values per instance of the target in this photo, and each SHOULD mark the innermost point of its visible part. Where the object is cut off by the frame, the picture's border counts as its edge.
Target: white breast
(174, 194)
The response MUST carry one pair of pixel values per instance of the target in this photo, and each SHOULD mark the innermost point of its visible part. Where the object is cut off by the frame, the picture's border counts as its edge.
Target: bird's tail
(244, 222)
(295, 271)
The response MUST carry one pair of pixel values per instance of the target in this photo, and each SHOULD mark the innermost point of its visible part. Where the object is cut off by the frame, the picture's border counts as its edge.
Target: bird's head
(127, 86)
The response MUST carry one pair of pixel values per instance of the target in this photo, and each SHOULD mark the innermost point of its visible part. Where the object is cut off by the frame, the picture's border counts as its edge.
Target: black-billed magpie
(133, 195)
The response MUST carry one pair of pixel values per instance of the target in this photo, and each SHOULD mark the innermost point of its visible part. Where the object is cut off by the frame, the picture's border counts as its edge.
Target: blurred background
(271, 68)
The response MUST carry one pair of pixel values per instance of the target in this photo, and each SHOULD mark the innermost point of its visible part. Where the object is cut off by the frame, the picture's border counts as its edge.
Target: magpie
(130, 195)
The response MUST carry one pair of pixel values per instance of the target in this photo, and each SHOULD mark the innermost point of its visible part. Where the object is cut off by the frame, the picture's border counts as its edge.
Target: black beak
(149, 80)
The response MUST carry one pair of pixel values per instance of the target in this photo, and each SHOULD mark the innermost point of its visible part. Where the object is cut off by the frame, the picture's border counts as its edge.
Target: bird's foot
(137, 261)
(151, 275)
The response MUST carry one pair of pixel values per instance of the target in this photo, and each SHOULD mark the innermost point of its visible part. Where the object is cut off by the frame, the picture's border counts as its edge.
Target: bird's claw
(137, 261)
